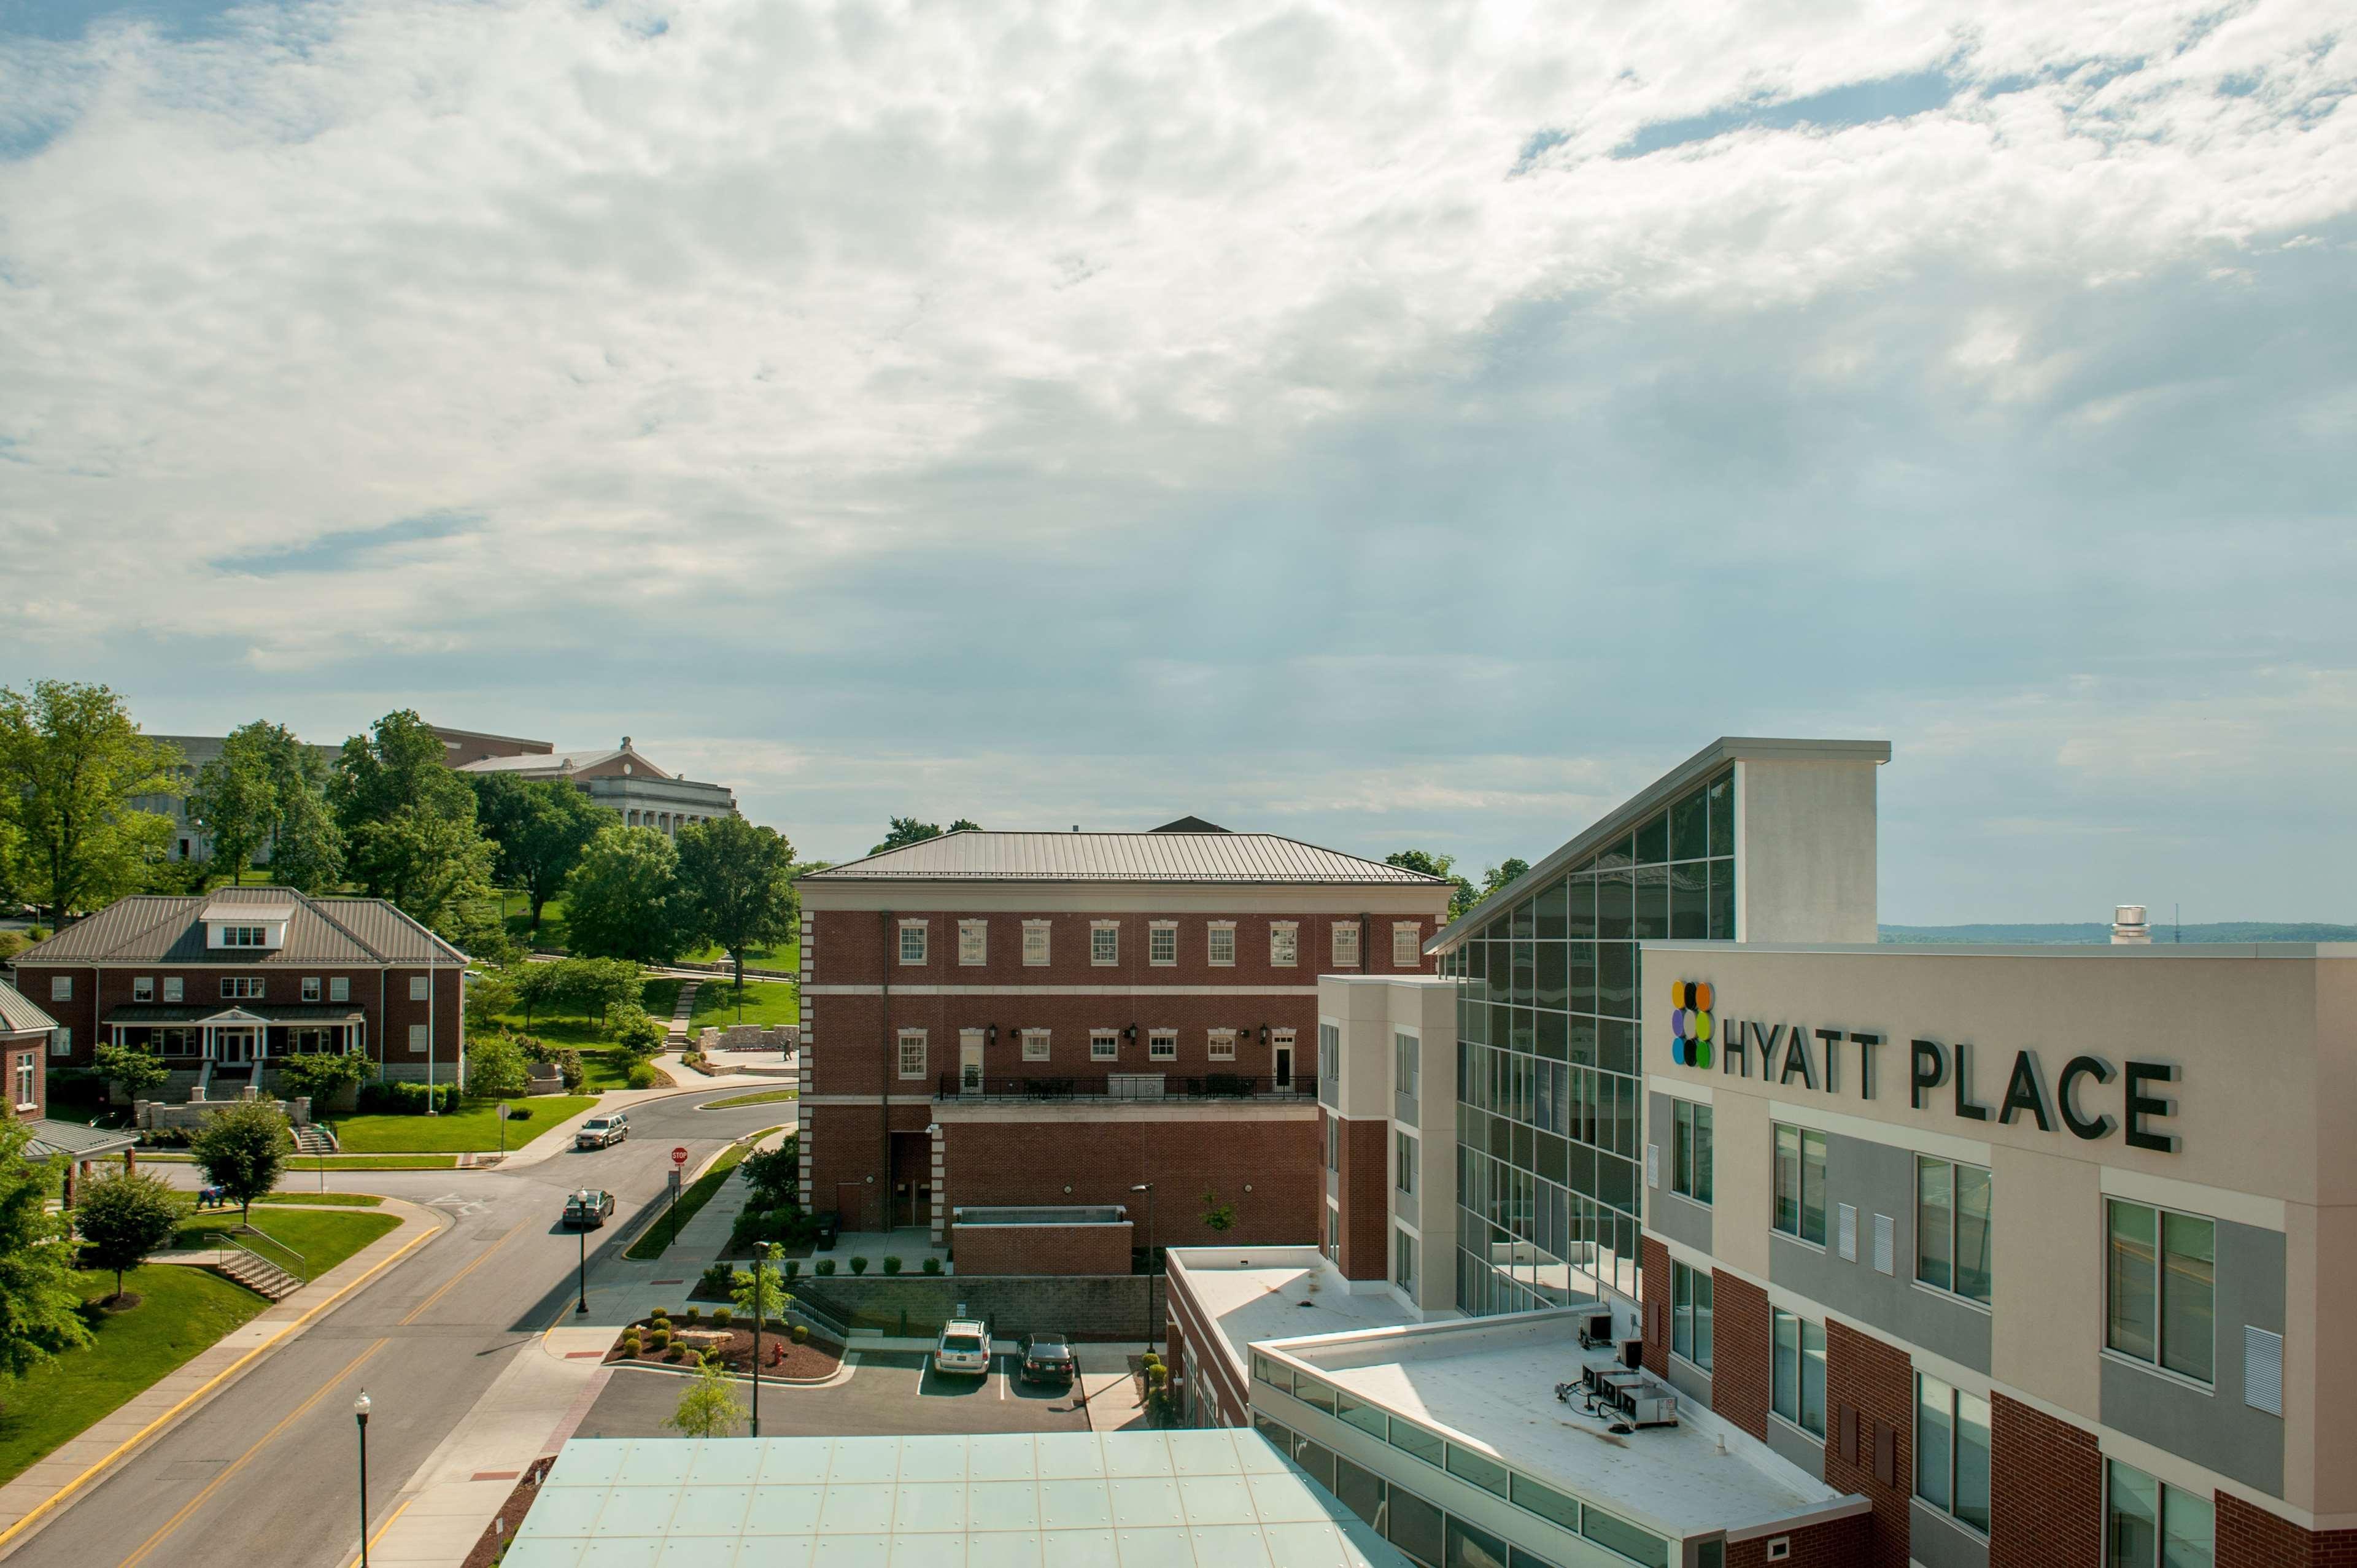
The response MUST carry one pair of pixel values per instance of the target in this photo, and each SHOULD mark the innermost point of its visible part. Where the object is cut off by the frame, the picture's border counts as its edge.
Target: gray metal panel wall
(1682, 1219)
(1936, 1541)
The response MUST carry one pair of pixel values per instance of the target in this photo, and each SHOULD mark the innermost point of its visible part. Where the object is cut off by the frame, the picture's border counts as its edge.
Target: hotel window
(242, 988)
(1034, 1045)
(311, 988)
(61, 1042)
(1223, 1045)
(1162, 942)
(912, 1053)
(1801, 1183)
(2148, 1525)
(1333, 1143)
(1407, 946)
(24, 1078)
(1402, 1260)
(417, 987)
(1221, 950)
(1798, 1390)
(1952, 1451)
(1105, 1045)
(2162, 1289)
(1690, 1301)
(143, 989)
(340, 987)
(912, 942)
(974, 941)
(1104, 943)
(174, 991)
(417, 1041)
(1284, 943)
(1346, 944)
(1404, 1159)
(1407, 1070)
(1952, 1228)
(1333, 1231)
(1690, 1150)
(1035, 943)
(62, 988)
(1162, 1046)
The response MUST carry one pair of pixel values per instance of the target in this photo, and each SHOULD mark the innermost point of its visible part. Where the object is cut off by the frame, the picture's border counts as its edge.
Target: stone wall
(987, 1251)
(1087, 1306)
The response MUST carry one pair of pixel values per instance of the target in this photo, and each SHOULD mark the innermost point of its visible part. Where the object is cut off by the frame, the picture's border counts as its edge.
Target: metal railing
(302, 1269)
(1130, 1086)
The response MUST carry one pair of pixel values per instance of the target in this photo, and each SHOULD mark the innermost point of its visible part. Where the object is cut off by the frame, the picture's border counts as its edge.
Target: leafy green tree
(235, 801)
(496, 1067)
(710, 1407)
(636, 1030)
(136, 1069)
(539, 985)
(594, 987)
(1504, 876)
(541, 827)
(123, 1217)
(1462, 898)
(623, 899)
(738, 884)
(908, 831)
(320, 1074)
(492, 994)
(40, 1301)
(242, 1150)
(307, 849)
(72, 763)
(409, 823)
(965, 825)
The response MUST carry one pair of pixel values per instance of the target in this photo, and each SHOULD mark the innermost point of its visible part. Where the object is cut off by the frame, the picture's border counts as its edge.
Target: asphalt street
(268, 1472)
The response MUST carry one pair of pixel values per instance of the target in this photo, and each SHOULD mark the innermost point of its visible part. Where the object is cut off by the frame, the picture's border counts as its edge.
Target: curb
(40, 1514)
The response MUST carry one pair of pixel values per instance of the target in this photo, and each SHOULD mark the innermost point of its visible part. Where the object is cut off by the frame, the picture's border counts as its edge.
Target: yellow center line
(451, 1283)
(377, 1541)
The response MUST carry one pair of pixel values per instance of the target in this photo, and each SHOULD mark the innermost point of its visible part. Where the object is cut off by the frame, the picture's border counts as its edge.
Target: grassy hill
(2091, 931)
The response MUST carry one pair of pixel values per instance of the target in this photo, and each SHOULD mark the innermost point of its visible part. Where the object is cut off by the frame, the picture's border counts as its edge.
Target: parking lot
(888, 1393)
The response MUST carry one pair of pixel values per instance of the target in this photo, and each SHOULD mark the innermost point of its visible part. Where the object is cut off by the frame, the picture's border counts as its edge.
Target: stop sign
(679, 1156)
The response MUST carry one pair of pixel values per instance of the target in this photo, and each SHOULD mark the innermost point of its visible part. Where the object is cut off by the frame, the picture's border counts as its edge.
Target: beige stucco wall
(1805, 844)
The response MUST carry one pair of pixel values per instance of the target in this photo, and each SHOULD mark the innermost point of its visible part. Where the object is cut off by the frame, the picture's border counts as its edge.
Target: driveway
(888, 1393)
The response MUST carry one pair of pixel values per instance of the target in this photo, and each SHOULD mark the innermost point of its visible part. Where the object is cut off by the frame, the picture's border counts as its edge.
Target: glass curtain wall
(1550, 1091)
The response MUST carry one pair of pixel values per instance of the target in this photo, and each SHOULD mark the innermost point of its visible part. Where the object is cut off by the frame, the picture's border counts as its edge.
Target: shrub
(642, 1075)
(793, 1267)
(632, 1345)
(676, 1353)
(635, 1030)
(802, 1332)
(722, 1317)
(774, 1176)
(932, 1265)
(692, 1313)
(569, 1068)
(826, 1265)
(715, 1280)
(497, 1068)
(660, 1339)
(660, 1319)
(379, 1098)
(891, 1265)
(859, 1265)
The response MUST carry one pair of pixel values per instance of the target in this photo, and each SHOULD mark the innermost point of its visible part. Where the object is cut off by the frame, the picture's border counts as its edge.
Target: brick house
(222, 985)
(1039, 1019)
(25, 1034)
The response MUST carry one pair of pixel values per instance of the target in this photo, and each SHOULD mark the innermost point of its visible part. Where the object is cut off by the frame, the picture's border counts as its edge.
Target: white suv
(600, 1131)
(965, 1346)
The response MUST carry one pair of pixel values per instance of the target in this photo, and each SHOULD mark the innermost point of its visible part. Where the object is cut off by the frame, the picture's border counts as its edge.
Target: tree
(908, 831)
(762, 1292)
(1499, 877)
(492, 994)
(408, 821)
(306, 848)
(235, 800)
(636, 1031)
(539, 985)
(623, 900)
(72, 763)
(710, 1407)
(596, 987)
(1219, 1214)
(1462, 898)
(242, 1150)
(496, 1067)
(541, 826)
(737, 882)
(320, 1074)
(965, 825)
(40, 1300)
(122, 1216)
(136, 1069)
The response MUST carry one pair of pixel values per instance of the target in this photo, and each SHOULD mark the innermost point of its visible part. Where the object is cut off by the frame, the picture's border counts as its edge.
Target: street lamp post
(361, 1415)
(1152, 1264)
(582, 1310)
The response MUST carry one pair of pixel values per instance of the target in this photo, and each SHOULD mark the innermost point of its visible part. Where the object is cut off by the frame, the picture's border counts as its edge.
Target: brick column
(2046, 1490)
(1741, 1352)
(1870, 1444)
(2250, 1537)
(1653, 1261)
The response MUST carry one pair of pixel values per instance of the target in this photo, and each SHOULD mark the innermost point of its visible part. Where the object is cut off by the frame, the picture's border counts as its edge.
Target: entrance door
(970, 1062)
(1281, 1074)
(233, 1045)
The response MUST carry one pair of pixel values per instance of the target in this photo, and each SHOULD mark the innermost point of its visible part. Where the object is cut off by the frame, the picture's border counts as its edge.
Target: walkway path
(684, 1011)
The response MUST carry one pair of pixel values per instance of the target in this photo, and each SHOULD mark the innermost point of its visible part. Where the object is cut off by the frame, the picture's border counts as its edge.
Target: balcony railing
(1057, 1088)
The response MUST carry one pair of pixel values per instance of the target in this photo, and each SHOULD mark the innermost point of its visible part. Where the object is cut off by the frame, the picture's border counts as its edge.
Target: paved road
(266, 1473)
(887, 1395)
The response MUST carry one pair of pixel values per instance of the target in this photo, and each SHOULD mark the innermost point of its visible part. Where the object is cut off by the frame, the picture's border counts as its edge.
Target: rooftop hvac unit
(1633, 1354)
(1595, 1328)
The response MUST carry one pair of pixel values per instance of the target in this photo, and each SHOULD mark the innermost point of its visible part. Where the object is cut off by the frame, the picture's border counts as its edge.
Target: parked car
(965, 1346)
(600, 1131)
(588, 1209)
(1049, 1359)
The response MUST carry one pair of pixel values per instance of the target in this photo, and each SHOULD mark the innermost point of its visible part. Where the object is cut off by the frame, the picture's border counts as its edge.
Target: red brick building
(223, 983)
(1014, 1018)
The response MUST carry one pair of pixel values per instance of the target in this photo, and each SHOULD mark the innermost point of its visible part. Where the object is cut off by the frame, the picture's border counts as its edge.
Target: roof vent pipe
(2128, 929)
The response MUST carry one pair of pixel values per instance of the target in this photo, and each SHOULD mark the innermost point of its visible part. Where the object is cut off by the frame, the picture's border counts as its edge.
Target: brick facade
(1869, 1441)
(1741, 1356)
(2251, 1537)
(2046, 1490)
(1654, 1262)
(991, 1250)
(1365, 1189)
(13, 1055)
(1195, 1354)
(380, 995)
(1831, 1543)
(1020, 1162)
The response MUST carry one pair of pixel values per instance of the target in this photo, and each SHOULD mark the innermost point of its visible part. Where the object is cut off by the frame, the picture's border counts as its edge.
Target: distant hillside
(2219, 931)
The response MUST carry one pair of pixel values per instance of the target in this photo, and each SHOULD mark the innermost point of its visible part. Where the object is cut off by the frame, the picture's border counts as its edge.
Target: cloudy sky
(1389, 425)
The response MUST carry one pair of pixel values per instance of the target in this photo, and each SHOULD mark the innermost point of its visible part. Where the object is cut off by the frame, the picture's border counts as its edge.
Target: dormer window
(246, 926)
(244, 936)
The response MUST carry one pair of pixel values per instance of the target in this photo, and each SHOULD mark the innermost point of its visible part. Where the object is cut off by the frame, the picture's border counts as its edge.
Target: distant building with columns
(618, 779)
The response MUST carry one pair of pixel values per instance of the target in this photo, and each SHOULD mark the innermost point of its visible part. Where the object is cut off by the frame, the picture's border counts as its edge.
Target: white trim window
(242, 988)
(912, 942)
(1284, 943)
(143, 988)
(1402, 1260)
(1407, 945)
(1104, 943)
(2161, 1288)
(61, 1041)
(912, 1053)
(1222, 1045)
(1034, 1045)
(1162, 1046)
(417, 987)
(1104, 1045)
(1797, 1376)
(1346, 944)
(1162, 943)
(974, 942)
(1952, 1228)
(1220, 947)
(1035, 943)
(311, 988)
(1403, 1161)
(1691, 1291)
(175, 990)
(26, 1074)
(1952, 1452)
(62, 988)
(417, 1042)
(340, 987)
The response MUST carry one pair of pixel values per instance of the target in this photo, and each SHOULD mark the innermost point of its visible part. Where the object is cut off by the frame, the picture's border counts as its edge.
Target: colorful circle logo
(1690, 1002)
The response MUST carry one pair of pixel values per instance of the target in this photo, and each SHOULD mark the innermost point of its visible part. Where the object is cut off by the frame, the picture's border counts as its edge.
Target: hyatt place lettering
(1839, 1061)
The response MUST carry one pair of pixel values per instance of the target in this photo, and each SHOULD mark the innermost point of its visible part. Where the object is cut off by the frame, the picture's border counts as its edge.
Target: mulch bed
(780, 1357)
(510, 1515)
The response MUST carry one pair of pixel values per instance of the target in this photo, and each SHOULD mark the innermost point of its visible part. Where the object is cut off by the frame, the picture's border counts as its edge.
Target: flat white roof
(1264, 1293)
(1490, 1383)
(1068, 1499)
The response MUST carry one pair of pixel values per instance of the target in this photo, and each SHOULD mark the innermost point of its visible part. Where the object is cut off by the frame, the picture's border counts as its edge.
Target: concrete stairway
(684, 1010)
(313, 1139)
(258, 1274)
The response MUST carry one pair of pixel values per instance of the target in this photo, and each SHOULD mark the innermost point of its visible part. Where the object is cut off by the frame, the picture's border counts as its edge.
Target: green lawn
(324, 1199)
(657, 996)
(766, 1096)
(786, 955)
(301, 1165)
(552, 932)
(474, 1126)
(656, 1237)
(181, 1311)
(767, 1002)
(324, 1240)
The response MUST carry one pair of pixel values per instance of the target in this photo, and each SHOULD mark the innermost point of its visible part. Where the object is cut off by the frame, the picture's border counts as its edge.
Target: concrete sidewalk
(37, 1495)
(558, 1138)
